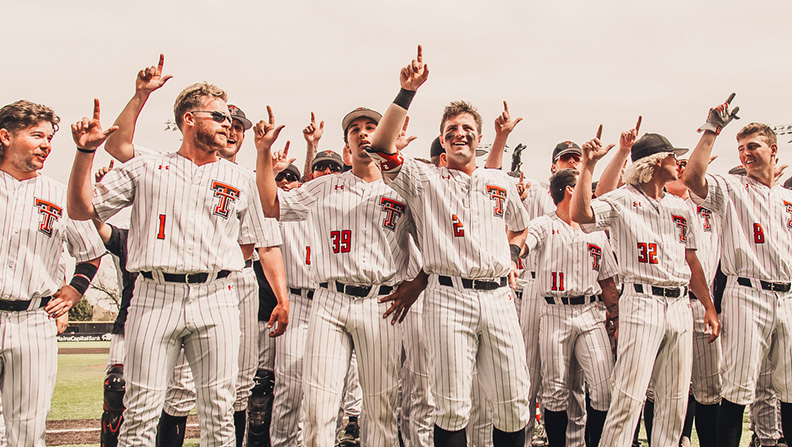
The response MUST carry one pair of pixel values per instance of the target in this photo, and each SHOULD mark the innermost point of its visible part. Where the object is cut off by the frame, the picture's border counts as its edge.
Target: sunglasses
(567, 157)
(327, 165)
(218, 117)
(288, 176)
(681, 163)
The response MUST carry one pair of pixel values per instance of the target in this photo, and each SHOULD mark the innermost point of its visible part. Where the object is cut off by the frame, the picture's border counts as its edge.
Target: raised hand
(403, 140)
(313, 133)
(102, 171)
(281, 160)
(628, 137)
(523, 186)
(593, 150)
(88, 133)
(267, 132)
(415, 74)
(504, 124)
(150, 78)
(719, 117)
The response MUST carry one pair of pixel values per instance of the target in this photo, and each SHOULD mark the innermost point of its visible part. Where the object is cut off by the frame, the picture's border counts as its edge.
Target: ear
(553, 168)
(5, 137)
(443, 159)
(188, 119)
(774, 150)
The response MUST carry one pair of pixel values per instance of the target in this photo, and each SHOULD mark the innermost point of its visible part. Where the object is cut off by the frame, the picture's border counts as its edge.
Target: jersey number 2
(342, 241)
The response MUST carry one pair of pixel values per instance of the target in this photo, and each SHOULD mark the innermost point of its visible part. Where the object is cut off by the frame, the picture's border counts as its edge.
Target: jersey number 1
(558, 281)
(161, 232)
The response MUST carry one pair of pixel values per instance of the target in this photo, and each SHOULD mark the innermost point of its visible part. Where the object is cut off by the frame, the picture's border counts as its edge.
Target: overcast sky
(565, 66)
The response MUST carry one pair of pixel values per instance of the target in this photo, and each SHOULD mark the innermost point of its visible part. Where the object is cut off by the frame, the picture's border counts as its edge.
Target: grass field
(78, 390)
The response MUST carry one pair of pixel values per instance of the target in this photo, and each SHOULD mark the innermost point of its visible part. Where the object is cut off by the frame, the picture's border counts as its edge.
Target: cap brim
(572, 150)
(246, 124)
(352, 116)
(680, 150)
(480, 152)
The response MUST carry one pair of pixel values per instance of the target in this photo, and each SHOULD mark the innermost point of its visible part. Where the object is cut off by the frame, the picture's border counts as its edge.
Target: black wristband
(404, 98)
(86, 151)
(83, 275)
(515, 252)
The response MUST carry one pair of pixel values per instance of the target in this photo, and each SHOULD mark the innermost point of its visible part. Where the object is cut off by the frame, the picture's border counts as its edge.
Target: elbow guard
(388, 163)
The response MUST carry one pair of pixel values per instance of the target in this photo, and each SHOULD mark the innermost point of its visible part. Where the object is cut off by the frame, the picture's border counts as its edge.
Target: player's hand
(279, 319)
(779, 171)
(150, 78)
(313, 133)
(103, 171)
(405, 295)
(62, 323)
(267, 132)
(415, 74)
(514, 272)
(281, 160)
(628, 137)
(593, 151)
(88, 133)
(403, 140)
(523, 186)
(504, 124)
(712, 325)
(719, 117)
(62, 300)
(611, 325)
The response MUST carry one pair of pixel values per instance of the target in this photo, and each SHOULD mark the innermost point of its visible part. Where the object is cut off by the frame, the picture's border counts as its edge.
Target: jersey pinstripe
(185, 217)
(455, 237)
(34, 227)
(297, 257)
(648, 254)
(757, 224)
(709, 233)
(570, 262)
(360, 229)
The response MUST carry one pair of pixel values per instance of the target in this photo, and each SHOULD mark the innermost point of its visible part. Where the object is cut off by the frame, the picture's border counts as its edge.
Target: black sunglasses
(288, 176)
(327, 165)
(216, 116)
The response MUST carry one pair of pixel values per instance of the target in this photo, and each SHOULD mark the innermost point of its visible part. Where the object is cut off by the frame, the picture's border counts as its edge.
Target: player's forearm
(611, 175)
(495, 156)
(119, 144)
(310, 154)
(79, 201)
(696, 169)
(275, 272)
(610, 296)
(103, 229)
(384, 138)
(265, 181)
(698, 283)
(580, 206)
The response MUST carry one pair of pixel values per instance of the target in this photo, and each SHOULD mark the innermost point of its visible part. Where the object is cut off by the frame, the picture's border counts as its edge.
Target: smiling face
(26, 149)
(236, 136)
(206, 132)
(460, 138)
(756, 154)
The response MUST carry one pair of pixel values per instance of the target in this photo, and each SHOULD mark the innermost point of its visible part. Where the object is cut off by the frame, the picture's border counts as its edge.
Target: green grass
(78, 387)
(84, 344)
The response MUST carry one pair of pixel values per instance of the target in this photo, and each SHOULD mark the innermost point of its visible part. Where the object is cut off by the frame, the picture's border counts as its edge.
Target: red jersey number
(558, 281)
(342, 241)
(161, 232)
(758, 233)
(647, 253)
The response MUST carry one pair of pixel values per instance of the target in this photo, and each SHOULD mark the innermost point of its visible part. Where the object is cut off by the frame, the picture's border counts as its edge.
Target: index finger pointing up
(161, 62)
(96, 109)
(505, 107)
(313, 118)
(599, 132)
(271, 115)
(638, 124)
(420, 54)
(730, 98)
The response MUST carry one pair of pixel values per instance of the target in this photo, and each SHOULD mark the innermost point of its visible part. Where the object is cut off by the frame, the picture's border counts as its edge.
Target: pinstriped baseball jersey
(297, 256)
(757, 222)
(34, 227)
(538, 203)
(651, 254)
(360, 229)
(570, 262)
(461, 219)
(709, 231)
(185, 217)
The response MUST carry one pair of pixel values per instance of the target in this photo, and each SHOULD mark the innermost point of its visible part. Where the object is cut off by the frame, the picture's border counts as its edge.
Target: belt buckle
(187, 278)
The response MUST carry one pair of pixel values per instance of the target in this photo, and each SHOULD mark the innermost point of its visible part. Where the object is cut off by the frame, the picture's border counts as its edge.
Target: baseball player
(360, 238)
(184, 297)
(35, 228)
(460, 213)
(574, 272)
(655, 247)
(755, 247)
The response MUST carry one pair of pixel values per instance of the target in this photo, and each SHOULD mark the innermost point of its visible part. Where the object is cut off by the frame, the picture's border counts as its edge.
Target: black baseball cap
(653, 143)
(788, 183)
(239, 115)
(357, 113)
(566, 147)
(293, 169)
(436, 148)
(327, 156)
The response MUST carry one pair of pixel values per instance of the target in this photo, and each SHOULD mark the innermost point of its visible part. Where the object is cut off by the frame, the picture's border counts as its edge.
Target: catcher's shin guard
(113, 415)
(260, 409)
(170, 430)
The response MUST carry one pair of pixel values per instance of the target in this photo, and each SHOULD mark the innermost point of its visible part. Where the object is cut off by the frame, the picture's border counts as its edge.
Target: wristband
(83, 275)
(404, 98)
(515, 253)
(86, 151)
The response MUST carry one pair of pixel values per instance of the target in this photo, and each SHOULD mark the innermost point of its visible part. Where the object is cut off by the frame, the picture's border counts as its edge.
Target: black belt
(533, 275)
(782, 287)
(248, 263)
(476, 284)
(668, 292)
(21, 305)
(187, 278)
(358, 291)
(575, 300)
(298, 291)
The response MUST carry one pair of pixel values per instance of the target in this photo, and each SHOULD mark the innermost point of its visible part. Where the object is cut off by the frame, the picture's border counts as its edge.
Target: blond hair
(192, 97)
(763, 130)
(642, 170)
